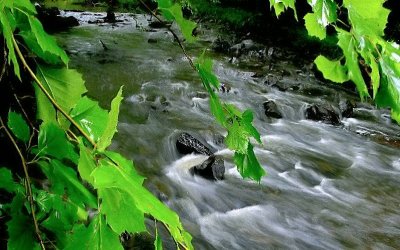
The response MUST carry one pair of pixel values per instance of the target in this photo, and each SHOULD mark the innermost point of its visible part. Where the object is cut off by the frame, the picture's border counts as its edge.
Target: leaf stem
(51, 99)
(27, 184)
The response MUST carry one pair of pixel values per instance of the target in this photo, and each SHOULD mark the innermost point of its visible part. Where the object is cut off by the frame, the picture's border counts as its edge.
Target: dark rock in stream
(213, 168)
(53, 22)
(271, 109)
(346, 108)
(322, 113)
(187, 144)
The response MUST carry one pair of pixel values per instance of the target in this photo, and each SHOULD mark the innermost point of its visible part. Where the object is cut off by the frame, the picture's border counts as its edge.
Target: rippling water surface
(328, 187)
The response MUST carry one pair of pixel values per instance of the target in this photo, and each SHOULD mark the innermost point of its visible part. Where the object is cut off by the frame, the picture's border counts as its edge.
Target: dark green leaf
(18, 126)
(7, 181)
(53, 142)
(6, 21)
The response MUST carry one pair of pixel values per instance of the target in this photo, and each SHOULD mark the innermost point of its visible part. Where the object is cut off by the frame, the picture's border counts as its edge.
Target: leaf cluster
(87, 195)
(369, 61)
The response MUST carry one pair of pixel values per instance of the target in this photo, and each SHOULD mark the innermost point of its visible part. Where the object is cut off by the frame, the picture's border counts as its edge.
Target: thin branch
(47, 94)
(172, 32)
(28, 184)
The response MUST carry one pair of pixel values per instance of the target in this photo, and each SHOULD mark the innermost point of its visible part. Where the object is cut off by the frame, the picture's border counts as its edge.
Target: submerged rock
(271, 109)
(213, 168)
(322, 113)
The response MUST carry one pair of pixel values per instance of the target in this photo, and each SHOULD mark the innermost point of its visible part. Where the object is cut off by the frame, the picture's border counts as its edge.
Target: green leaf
(66, 86)
(65, 182)
(248, 165)
(158, 241)
(86, 163)
(389, 91)
(368, 17)
(6, 21)
(45, 110)
(121, 211)
(107, 175)
(282, 5)
(7, 181)
(332, 70)
(45, 41)
(216, 108)
(324, 13)
(97, 236)
(18, 126)
(30, 40)
(112, 122)
(247, 119)
(237, 138)
(20, 228)
(175, 12)
(91, 117)
(313, 27)
(348, 45)
(205, 67)
(53, 142)
(26, 5)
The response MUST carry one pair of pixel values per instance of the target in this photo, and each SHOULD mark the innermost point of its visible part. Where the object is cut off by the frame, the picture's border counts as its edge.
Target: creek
(328, 187)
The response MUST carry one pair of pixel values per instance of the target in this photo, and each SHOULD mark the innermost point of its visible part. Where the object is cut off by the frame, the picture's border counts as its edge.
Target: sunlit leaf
(45, 41)
(112, 122)
(97, 236)
(91, 117)
(175, 12)
(248, 165)
(313, 27)
(121, 211)
(66, 86)
(237, 138)
(368, 17)
(332, 70)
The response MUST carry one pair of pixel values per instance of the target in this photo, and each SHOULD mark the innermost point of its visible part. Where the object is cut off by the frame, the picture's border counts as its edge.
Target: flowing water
(328, 187)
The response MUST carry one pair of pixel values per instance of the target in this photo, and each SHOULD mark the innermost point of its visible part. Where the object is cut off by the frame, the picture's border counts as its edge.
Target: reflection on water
(328, 187)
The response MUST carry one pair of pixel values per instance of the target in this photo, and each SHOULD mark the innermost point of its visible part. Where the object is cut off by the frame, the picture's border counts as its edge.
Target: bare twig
(27, 184)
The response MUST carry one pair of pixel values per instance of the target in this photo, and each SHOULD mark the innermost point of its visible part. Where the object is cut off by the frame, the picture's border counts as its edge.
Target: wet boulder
(213, 168)
(346, 108)
(53, 22)
(325, 114)
(187, 144)
(271, 109)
